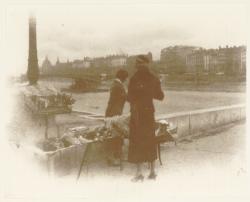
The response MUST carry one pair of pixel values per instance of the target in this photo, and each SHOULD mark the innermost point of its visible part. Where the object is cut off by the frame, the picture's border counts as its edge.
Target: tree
(175, 64)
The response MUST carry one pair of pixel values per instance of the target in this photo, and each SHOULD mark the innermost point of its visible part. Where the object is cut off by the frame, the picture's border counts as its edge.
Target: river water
(174, 101)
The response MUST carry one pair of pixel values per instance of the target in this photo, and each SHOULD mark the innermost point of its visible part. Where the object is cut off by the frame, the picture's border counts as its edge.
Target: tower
(33, 71)
(46, 65)
(57, 61)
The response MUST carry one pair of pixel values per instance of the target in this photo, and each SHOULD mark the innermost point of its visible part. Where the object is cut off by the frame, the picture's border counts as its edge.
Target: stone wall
(67, 160)
(198, 121)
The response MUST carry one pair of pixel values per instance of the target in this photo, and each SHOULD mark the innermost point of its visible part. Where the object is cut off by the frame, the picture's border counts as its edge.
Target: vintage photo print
(124, 101)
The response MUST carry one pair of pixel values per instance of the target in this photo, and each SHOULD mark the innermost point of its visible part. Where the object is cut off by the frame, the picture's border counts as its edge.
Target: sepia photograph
(124, 101)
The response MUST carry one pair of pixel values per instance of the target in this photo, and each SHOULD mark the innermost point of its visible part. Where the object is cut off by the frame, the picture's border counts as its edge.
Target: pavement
(223, 150)
(212, 165)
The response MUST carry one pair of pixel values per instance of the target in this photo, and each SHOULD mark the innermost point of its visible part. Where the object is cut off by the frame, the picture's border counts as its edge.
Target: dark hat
(141, 59)
(122, 74)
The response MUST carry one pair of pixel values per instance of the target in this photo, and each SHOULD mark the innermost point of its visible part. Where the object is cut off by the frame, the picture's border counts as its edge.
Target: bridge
(82, 81)
(92, 78)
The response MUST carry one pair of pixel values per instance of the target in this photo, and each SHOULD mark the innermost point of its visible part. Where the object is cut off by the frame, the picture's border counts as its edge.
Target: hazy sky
(98, 30)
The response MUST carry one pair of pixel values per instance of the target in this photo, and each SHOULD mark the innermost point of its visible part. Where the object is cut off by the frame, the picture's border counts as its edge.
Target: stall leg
(121, 162)
(50, 166)
(159, 153)
(58, 131)
(84, 159)
(46, 127)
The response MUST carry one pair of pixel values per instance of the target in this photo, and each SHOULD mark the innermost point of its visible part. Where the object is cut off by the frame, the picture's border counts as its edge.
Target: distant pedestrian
(117, 99)
(143, 88)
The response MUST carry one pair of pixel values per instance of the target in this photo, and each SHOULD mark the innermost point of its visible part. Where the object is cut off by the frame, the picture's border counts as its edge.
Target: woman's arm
(158, 93)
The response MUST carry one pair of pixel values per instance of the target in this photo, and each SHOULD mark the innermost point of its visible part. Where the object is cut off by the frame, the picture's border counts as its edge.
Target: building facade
(228, 60)
(116, 60)
(120, 61)
(173, 58)
(81, 63)
(201, 60)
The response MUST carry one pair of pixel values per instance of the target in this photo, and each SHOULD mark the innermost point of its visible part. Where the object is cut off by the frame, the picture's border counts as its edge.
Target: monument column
(33, 71)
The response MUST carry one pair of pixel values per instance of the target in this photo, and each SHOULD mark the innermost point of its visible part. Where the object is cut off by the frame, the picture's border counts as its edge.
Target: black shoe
(138, 178)
(152, 176)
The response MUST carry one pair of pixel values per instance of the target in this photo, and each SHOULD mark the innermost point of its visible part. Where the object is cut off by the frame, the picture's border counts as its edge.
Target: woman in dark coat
(143, 88)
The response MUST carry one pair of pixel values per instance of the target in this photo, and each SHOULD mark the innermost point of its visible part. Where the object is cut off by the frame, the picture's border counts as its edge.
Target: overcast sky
(99, 30)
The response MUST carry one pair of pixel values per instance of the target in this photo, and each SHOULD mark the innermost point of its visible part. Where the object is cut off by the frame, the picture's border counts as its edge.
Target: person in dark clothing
(142, 89)
(118, 95)
(117, 99)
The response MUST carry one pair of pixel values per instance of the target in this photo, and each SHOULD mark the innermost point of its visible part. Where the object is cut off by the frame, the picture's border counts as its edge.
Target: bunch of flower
(59, 100)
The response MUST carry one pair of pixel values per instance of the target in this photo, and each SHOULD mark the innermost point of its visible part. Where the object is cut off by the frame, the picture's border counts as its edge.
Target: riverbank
(212, 87)
(216, 86)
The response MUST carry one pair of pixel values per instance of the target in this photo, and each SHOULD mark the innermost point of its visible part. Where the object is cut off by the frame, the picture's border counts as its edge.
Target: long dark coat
(117, 99)
(143, 88)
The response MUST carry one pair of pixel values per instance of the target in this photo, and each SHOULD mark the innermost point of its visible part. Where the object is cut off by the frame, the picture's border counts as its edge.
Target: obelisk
(33, 71)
